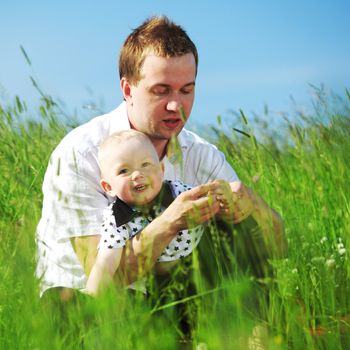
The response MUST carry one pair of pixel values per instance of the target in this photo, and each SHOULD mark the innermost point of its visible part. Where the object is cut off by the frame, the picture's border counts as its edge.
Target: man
(158, 68)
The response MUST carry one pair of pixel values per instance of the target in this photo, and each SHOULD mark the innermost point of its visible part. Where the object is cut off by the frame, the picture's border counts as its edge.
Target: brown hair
(158, 35)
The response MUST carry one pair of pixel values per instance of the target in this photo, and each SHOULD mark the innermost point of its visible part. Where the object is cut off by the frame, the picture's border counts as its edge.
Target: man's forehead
(157, 70)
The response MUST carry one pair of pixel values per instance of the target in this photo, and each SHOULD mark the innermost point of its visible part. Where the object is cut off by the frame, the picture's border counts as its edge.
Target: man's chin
(168, 135)
(169, 132)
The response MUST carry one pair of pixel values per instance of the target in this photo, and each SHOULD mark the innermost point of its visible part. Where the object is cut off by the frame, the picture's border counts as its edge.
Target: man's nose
(174, 103)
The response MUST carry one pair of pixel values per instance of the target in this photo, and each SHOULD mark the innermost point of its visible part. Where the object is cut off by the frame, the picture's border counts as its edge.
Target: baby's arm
(101, 276)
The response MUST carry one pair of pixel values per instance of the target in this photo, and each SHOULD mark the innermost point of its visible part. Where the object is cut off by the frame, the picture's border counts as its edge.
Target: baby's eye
(123, 171)
(146, 164)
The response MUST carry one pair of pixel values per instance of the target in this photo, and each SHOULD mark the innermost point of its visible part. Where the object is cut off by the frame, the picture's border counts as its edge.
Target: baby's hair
(118, 138)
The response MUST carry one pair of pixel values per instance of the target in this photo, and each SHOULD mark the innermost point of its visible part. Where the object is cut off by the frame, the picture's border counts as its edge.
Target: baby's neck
(144, 209)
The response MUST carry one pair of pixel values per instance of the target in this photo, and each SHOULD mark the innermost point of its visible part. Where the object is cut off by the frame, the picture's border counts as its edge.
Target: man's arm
(238, 202)
(271, 224)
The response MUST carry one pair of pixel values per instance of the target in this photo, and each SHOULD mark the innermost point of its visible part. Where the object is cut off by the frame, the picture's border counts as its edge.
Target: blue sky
(251, 53)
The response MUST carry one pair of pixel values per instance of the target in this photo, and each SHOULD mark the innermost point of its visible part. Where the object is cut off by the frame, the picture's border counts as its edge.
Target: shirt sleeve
(73, 201)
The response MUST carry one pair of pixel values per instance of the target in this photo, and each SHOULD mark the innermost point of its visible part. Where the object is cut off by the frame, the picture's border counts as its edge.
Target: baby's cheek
(125, 192)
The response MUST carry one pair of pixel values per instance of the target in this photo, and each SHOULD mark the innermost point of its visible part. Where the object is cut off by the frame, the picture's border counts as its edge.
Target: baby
(131, 172)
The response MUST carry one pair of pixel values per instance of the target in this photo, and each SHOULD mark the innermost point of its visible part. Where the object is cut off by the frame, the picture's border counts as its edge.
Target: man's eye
(146, 164)
(160, 91)
(187, 91)
(123, 171)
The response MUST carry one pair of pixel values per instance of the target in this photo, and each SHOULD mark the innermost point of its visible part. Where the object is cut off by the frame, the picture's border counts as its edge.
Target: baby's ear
(106, 186)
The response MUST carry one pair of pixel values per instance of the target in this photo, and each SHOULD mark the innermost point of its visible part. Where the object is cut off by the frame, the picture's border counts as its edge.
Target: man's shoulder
(89, 135)
(203, 160)
(195, 145)
(188, 138)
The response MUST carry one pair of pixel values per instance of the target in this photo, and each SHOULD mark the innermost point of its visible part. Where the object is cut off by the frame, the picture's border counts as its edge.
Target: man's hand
(236, 200)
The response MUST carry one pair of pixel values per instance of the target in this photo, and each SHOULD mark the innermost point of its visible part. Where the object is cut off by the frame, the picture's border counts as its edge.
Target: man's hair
(157, 35)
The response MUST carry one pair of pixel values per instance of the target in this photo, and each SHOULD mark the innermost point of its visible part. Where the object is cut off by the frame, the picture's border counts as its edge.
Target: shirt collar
(119, 119)
(123, 213)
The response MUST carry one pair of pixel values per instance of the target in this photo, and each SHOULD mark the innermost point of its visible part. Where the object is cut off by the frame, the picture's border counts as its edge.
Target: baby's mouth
(140, 188)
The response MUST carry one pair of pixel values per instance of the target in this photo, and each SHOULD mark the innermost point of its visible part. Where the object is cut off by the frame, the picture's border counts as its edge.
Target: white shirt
(74, 201)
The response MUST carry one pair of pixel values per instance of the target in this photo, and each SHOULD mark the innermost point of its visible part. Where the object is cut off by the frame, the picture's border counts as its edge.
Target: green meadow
(301, 168)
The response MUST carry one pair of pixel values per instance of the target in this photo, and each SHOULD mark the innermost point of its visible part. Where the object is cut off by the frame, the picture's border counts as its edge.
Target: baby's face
(133, 172)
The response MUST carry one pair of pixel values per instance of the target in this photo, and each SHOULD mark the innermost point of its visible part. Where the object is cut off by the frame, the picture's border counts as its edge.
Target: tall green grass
(302, 171)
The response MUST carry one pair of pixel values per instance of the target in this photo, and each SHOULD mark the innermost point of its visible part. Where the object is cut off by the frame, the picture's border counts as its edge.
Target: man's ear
(126, 88)
(106, 187)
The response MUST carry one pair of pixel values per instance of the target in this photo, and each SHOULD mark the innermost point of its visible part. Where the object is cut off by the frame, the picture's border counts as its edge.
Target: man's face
(166, 86)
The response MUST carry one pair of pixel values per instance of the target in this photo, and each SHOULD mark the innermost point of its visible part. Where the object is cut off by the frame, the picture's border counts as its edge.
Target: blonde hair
(117, 138)
(157, 35)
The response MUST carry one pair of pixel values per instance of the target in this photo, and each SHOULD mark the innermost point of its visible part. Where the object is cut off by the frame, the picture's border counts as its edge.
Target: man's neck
(160, 146)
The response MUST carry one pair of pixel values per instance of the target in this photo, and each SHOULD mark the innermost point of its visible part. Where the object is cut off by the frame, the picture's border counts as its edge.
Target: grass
(302, 171)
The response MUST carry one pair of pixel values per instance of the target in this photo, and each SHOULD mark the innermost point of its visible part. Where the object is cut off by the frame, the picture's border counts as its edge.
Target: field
(300, 169)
